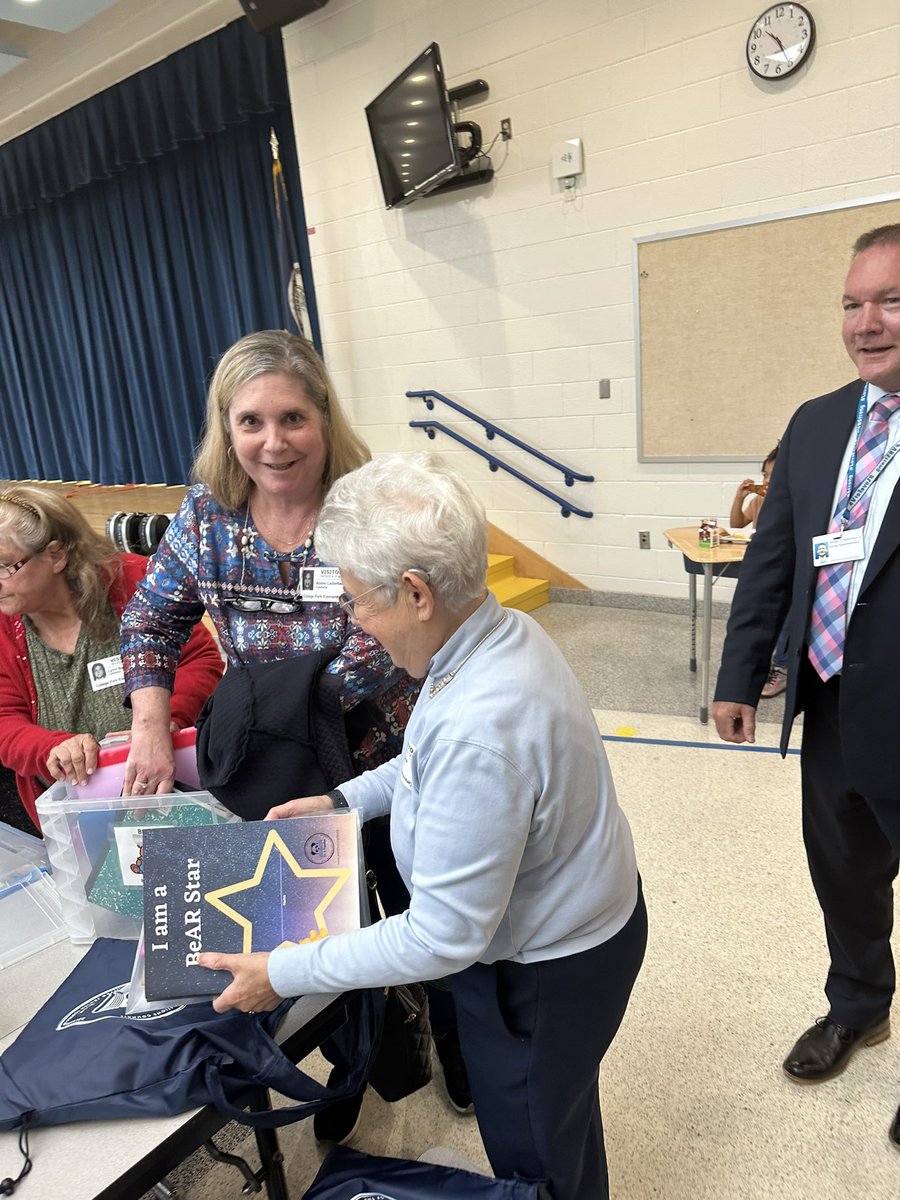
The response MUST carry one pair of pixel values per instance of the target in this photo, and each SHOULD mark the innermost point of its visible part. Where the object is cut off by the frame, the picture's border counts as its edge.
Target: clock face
(780, 40)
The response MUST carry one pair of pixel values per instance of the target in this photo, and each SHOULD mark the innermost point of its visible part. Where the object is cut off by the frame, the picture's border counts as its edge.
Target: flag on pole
(296, 294)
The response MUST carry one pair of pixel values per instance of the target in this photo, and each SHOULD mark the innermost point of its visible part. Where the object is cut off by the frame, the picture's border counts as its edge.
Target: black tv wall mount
(470, 176)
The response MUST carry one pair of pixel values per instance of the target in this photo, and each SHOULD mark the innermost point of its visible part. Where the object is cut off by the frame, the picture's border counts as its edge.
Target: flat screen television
(411, 124)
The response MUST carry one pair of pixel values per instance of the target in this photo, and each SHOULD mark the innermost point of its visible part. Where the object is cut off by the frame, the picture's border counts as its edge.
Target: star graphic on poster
(281, 895)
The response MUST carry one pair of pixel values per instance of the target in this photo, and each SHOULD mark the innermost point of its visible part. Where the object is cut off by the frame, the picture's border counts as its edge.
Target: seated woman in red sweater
(62, 592)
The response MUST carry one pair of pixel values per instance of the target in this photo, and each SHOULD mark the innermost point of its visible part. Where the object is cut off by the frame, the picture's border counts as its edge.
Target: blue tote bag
(82, 1057)
(349, 1175)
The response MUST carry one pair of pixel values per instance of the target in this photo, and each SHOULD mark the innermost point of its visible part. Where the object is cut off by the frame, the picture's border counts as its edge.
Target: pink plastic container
(109, 777)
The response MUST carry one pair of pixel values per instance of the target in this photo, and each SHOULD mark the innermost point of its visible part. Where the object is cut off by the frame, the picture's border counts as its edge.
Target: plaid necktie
(828, 626)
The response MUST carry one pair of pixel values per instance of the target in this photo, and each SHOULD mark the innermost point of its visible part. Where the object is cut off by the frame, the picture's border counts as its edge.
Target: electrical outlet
(505, 129)
(644, 540)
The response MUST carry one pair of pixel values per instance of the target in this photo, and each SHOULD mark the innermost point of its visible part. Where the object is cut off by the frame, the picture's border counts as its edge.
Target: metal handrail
(429, 396)
(494, 463)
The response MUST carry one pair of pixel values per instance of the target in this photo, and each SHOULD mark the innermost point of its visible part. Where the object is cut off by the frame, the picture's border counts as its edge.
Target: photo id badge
(105, 672)
(838, 547)
(320, 584)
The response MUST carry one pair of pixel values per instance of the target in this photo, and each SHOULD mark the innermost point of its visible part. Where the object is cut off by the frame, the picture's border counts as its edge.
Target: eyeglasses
(7, 570)
(348, 603)
(249, 604)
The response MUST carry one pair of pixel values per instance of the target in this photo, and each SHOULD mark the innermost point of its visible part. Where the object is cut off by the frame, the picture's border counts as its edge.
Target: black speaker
(265, 15)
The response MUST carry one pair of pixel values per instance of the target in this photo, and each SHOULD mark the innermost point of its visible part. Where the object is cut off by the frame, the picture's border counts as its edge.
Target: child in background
(749, 496)
(748, 500)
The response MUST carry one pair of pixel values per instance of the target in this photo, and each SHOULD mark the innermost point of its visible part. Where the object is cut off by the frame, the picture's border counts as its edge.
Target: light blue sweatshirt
(504, 821)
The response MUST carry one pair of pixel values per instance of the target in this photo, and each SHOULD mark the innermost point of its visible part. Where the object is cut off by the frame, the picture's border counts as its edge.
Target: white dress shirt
(881, 493)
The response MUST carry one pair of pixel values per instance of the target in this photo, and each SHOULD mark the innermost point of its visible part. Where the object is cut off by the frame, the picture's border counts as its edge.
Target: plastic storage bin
(18, 849)
(30, 911)
(94, 847)
(30, 914)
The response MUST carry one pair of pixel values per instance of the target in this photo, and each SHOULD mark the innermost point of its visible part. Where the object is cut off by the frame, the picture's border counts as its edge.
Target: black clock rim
(797, 65)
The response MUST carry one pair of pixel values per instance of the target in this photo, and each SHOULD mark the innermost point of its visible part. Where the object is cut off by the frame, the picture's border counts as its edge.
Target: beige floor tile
(695, 1104)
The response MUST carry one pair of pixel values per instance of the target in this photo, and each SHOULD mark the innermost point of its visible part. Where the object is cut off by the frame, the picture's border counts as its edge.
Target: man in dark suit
(826, 555)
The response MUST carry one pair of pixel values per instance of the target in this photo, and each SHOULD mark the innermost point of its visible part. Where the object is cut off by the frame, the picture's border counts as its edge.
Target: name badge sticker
(320, 584)
(843, 547)
(105, 672)
(406, 766)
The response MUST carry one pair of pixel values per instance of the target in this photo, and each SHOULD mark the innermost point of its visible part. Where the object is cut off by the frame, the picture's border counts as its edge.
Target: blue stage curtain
(138, 240)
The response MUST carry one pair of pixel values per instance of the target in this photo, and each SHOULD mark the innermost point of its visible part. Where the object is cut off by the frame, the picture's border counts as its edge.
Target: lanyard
(853, 498)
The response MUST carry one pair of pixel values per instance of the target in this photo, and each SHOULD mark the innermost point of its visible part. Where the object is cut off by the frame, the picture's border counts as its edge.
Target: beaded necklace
(246, 541)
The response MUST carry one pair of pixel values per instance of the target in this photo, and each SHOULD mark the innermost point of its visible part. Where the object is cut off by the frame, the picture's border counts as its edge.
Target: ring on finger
(140, 785)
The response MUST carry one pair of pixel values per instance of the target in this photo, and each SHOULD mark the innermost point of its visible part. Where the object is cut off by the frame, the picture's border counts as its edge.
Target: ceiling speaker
(265, 15)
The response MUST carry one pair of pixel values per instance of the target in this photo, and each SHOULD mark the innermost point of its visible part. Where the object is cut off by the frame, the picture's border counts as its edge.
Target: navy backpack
(349, 1175)
(82, 1057)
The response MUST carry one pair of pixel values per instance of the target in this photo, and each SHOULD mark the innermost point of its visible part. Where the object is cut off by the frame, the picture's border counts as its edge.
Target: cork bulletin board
(738, 324)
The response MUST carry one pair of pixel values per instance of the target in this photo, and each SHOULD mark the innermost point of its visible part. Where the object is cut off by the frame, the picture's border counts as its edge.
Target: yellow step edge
(523, 594)
(518, 586)
(514, 591)
(500, 566)
(529, 605)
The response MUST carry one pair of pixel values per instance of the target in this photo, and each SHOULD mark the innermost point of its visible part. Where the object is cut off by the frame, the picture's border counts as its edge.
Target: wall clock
(780, 40)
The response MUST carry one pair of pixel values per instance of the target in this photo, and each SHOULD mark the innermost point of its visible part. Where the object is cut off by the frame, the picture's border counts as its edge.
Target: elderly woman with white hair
(524, 892)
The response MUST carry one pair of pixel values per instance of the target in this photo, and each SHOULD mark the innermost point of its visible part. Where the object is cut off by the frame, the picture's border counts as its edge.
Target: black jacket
(273, 731)
(778, 580)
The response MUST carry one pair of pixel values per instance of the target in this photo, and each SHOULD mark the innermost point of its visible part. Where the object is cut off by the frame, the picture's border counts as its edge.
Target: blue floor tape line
(644, 741)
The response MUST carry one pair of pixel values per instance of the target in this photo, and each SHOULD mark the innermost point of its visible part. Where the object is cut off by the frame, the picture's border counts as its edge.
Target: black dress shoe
(825, 1049)
(456, 1078)
(339, 1121)
(894, 1133)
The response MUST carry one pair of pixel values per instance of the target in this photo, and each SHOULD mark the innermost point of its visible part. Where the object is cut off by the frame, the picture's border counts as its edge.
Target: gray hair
(405, 512)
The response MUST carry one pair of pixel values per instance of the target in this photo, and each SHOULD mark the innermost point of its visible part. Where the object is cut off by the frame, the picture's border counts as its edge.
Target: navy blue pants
(852, 846)
(533, 1036)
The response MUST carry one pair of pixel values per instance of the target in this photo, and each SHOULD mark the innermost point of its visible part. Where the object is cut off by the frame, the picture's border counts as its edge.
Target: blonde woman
(242, 549)
(62, 592)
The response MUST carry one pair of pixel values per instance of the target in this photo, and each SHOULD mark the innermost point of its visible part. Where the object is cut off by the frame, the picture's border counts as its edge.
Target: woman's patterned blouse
(211, 555)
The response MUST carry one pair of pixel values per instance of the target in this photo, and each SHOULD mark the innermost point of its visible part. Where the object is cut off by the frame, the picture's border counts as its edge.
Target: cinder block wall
(516, 302)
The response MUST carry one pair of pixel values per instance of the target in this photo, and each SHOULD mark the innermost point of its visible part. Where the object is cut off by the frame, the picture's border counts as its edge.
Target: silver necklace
(440, 684)
(246, 540)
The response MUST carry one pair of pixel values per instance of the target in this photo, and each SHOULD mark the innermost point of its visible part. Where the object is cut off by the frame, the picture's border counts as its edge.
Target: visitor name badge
(105, 672)
(320, 584)
(838, 547)
(406, 766)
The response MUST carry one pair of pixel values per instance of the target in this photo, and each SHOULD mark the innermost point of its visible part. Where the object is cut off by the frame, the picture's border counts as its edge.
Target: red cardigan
(25, 745)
